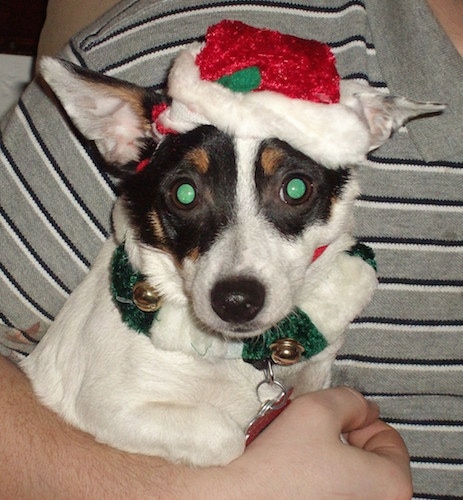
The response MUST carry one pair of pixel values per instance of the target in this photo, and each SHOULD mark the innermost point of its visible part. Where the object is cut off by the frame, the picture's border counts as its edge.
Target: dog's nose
(237, 299)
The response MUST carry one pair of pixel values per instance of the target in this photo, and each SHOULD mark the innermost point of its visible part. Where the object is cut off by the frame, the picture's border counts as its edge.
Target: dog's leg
(198, 435)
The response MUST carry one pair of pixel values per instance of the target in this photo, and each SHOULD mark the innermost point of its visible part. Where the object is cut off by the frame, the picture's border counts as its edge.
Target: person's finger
(388, 451)
(342, 408)
(379, 438)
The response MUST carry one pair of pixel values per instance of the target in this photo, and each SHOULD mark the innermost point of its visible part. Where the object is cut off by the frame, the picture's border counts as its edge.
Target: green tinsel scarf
(297, 325)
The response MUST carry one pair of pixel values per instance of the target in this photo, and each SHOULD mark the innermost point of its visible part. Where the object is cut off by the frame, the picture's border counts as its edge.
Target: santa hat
(257, 83)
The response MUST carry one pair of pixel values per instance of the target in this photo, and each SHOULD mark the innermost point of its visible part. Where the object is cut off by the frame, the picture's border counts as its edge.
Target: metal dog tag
(270, 408)
(268, 412)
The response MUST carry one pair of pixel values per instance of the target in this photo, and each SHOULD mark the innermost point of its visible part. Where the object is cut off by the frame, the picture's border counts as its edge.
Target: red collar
(318, 252)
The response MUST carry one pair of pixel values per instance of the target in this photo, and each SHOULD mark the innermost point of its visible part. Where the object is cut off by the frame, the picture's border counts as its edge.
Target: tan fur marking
(199, 158)
(193, 254)
(271, 159)
(157, 226)
(134, 97)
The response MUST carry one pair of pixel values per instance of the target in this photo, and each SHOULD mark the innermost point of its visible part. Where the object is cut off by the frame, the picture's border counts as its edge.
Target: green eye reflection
(296, 189)
(185, 194)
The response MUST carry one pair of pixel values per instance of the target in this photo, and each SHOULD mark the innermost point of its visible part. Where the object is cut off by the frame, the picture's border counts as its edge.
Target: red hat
(247, 59)
(257, 83)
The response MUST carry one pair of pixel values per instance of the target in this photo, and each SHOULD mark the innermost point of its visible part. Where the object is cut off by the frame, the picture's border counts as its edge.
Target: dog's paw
(219, 445)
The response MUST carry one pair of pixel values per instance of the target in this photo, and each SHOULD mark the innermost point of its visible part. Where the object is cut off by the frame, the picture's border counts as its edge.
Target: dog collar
(123, 282)
(295, 337)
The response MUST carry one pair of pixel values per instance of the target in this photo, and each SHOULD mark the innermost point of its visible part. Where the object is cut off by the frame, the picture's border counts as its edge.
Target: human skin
(449, 13)
(298, 455)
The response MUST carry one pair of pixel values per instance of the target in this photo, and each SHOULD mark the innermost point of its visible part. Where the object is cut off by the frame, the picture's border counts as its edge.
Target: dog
(231, 274)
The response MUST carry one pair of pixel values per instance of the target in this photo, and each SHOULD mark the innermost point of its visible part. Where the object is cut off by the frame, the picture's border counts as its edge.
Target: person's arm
(299, 454)
(43, 457)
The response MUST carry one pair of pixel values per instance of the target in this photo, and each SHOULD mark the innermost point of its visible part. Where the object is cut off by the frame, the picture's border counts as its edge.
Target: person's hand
(301, 455)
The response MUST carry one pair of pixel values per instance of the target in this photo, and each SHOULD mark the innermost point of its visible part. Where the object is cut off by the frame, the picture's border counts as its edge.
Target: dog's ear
(382, 113)
(116, 115)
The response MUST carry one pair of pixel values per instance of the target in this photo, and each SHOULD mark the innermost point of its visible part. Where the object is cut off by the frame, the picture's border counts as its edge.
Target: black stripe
(433, 496)
(152, 50)
(40, 206)
(440, 460)
(29, 338)
(364, 77)
(59, 171)
(414, 162)
(425, 423)
(35, 255)
(18, 351)
(412, 241)
(77, 54)
(420, 282)
(5, 320)
(24, 294)
(399, 361)
(351, 39)
(411, 201)
(408, 395)
(409, 322)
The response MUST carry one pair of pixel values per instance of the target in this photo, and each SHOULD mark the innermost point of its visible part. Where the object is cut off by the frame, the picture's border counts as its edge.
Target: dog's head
(228, 199)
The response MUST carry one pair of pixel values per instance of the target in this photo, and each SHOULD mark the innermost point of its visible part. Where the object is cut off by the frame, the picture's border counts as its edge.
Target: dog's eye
(295, 190)
(184, 195)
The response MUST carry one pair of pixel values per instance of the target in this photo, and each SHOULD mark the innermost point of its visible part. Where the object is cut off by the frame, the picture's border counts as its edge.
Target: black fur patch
(277, 164)
(185, 230)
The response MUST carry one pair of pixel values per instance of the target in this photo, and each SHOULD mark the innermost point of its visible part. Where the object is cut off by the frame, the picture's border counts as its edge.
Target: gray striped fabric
(406, 351)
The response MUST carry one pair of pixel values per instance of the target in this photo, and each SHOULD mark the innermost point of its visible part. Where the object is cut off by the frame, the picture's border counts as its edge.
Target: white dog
(231, 274)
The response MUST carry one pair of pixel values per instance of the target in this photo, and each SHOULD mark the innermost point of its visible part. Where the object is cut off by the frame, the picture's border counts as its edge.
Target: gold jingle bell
(286, 352)
(145, 297)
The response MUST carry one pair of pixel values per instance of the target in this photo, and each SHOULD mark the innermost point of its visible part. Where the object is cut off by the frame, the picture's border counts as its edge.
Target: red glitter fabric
(297, 68)
(157, 110)
(142, 165)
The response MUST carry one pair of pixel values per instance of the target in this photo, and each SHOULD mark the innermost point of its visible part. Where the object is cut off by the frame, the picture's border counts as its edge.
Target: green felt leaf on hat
(243, 80)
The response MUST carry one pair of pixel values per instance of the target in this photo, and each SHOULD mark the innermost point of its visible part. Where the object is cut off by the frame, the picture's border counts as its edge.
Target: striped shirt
(406, 350)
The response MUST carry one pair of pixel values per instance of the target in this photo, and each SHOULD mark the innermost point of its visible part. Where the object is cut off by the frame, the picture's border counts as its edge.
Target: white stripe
(57, 178)
(404, 327)
(427, 428)
(414, 247)
(401, 367)
(409, 206)
(354, 43)
(95, 171)
(436, 466)
(410, 167)
(31, 258)
(406, 287)
(40, 215)
(147, 57)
